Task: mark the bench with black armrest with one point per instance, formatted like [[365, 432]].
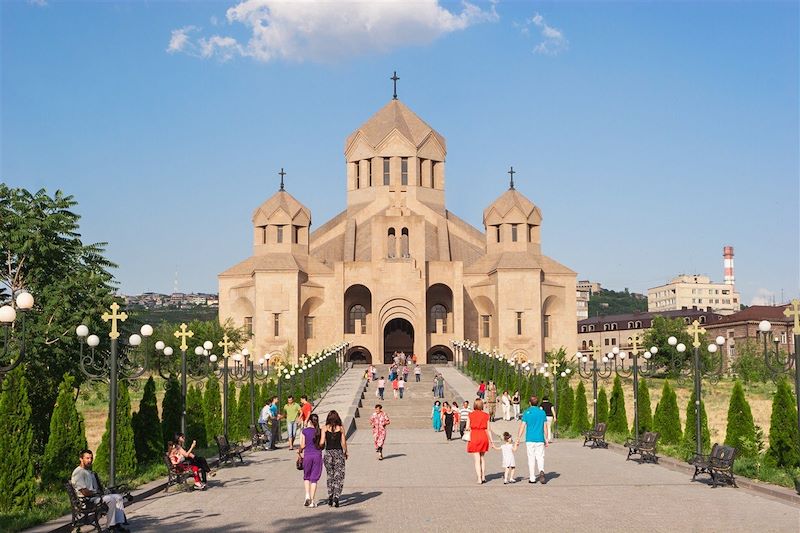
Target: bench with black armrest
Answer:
[[85, 512], [258, 439], [228, 451], [718, 464], [175, 474], [644, 447], [596, 436]]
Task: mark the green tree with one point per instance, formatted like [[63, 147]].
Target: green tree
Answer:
[[741, 430], [234, 431], [70, 281], [212, 401], [658, 335], [667, 418], [126, 449], [689, 434], [171, 410], [643, 408], [784, 441], [607, 302], [67, 436], [195, 417], [602, 406], [147, 434], [749, 365], [580, 414], [566, 399], [243, 412], [617, 416], [16, 468]]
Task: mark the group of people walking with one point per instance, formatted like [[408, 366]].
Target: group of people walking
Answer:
[[313, 440], [398, 378]]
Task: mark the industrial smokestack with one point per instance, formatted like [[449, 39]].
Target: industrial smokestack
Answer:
[[727, 260]]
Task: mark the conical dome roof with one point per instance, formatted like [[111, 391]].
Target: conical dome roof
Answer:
[[507, 201], [281, 200], [395, 115]]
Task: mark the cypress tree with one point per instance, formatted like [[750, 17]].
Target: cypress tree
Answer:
[[17, 482], [171, 410], [643, 408], [147, 433], [741, 430], [213, 409], [784, 441], [689, 434], [126, 449], [602, 406], [67, 436], [566, 399], [580, 414], [195, 417], [243, 412], [617, 416], [667, 418], [234, 431]]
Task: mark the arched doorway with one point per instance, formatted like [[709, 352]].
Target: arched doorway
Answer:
[[439, 355], [398, 336], [358, 355]]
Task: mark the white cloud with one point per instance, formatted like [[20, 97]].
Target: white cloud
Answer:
[[40, 3], [327, 30], [553, 40], [764, 297]]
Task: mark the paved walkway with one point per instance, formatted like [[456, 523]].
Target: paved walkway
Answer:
[[427, 484]]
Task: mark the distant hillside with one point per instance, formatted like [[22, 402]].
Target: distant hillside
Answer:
[[608, 302], [174, 315]]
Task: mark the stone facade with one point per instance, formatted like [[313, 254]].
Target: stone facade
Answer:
[[396, 270], [686, 291], [741, 327]]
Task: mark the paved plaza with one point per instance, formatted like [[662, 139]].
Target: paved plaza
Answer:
[[427, 484]]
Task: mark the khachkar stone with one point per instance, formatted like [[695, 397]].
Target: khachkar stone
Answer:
[[395, 270]]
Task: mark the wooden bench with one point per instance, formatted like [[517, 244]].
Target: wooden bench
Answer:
[[175, 475], [258, 439], [85, 512], [718, 464], [228, 451], [645, 447], [596, 436]]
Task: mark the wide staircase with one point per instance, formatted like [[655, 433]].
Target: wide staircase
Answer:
[[414, 410]]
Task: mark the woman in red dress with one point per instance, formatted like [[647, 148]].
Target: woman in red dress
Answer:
[[480, 438]]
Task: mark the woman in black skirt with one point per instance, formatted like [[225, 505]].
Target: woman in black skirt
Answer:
[[447, 420]]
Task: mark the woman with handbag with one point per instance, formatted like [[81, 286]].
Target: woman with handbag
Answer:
[[335, 444], [309, 458], [480, 438]]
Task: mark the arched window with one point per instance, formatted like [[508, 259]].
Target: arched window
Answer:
[[591, 328], [438, 312], [638, 324], [358, 312], [404, 252], [686, 320], [583, 329], [702, 319], [591, 344], [583, 345], [391, 247], [605, 327], [630, 324], [613, 326]]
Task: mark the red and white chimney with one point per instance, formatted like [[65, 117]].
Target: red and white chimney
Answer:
[[727, 259]]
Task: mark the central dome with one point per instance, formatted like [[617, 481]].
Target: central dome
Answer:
[[395, 116]]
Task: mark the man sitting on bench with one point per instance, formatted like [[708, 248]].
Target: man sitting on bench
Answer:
[[85, 483]]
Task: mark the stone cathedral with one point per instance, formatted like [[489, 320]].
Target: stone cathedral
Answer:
[[396, 270]]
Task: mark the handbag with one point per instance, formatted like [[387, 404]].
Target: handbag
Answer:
[[299, 463], [466, 436]]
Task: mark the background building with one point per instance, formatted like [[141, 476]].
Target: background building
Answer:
[[396, 270], [583, 293], [741, 327]]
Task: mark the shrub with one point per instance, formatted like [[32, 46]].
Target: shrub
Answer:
[[617, 416], [147, 427], [234, 431], [195, 417], [667, 418], [784, 441], [602, 406], [17, 483], [243, 412], [741, 430], [566, 399], [580, 415], [643, 408], [171, 410], [67, 436], [126, 450], [213, 409], [689, 434]]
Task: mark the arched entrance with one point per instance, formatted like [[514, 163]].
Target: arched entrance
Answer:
[[358, 355], [439, 355], [398, 336]]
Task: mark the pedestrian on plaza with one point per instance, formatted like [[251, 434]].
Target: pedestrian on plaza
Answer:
[[381, 387], [482, 390], [274, 423], [335, 443], [550, 412], [401, 386], [491, 399], [509, 464], [379, 420], [373, 372], [447, 420], [534, 427], [395, 386], [480, 438], [310, 452], [440, 385], [414, 358], [292, 411], [305, 409], [405, 372], [505, 403], [456, 413], [417, 371], [436, 416], [515, 404], [463, 414]]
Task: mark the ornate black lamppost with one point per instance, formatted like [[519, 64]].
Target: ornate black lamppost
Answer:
[[777, 364], [8, 315], [101, 368], [556, 368], [594, 372], [620, 360]]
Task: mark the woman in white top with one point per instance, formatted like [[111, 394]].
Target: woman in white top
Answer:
[[505, 401]]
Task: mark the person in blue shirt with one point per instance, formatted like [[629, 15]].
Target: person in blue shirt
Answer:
[[534, 429], [275, 425]]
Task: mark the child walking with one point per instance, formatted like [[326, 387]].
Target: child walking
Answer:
[[508, 448]]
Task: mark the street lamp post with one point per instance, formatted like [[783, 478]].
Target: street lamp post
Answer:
[[99, 369], [594, 372], [635, 369], [8, 315], [779, 365]]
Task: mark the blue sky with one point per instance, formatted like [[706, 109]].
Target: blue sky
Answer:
[[649, 134]]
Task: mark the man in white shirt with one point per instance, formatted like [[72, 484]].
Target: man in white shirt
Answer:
[[463, 415], [85, 483]]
